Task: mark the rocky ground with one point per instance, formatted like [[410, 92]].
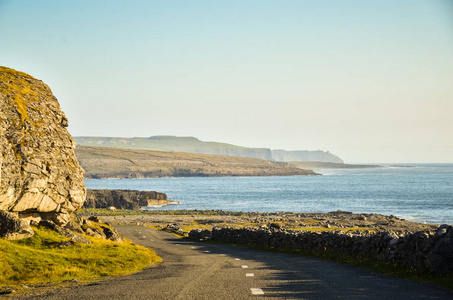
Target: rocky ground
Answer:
[[333, 221]]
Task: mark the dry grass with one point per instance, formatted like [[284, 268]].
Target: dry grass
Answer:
[[101, 162], [38, 259], [15, 85]]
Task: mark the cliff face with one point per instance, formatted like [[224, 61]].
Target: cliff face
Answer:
[[194, 145], [175, 143], [301, 155], [125, 199], [259, 153], [40, 177]]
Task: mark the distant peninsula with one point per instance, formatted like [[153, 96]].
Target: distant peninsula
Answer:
[[315, 165], [194, 145], [103, 162]]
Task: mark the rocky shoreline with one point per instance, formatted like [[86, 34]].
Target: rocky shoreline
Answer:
[[423, 247], [125, 199], [332, 221]]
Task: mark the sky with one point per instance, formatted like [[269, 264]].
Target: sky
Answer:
[[369, 81]]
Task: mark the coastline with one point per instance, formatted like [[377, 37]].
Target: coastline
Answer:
[[208, 219], [372, 240], [103, 163]]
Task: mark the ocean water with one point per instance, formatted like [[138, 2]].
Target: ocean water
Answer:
[[422, 193]]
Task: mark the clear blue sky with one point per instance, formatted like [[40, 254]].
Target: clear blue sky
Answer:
[[370, 81]]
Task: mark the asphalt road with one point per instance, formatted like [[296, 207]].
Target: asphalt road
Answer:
[[206, 271]]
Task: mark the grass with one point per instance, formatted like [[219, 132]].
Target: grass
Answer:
[[38, 259], [104, 162], [188, 228], [13, 83]]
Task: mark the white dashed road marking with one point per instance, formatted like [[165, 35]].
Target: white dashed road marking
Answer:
[[245, 266], [237, 259], [256, 291], [249, 275]]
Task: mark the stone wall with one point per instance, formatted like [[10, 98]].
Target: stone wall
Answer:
[[429, 251], [40, 177]]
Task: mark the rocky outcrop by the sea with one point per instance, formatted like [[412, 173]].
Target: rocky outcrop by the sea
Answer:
[[40, 177], [125, 199]]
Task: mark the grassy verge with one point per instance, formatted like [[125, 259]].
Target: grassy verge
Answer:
[[38, 259]]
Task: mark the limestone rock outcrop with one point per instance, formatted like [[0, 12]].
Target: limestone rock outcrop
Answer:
[[13, 228], [40, 177], [125, 199]]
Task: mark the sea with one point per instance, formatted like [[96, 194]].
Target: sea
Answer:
[[415, 192]]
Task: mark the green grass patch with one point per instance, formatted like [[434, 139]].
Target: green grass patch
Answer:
[[38, 259], [13, 83]]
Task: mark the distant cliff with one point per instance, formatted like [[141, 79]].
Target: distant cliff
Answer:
[[260, 153], [194, 145], [288, 156], [177, 144]]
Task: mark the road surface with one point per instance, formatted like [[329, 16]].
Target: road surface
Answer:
[[193, 270]]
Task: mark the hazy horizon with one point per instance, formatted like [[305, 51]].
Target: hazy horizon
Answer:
[[369, 81]]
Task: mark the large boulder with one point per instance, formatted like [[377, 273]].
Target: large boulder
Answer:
[[13, 228], [40, 177]]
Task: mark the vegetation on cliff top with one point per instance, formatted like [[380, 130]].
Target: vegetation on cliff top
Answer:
[[16, 84], [100, 162], [39, 259]]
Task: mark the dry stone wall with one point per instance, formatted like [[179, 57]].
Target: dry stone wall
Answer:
[[40, 177], [427, 251]]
